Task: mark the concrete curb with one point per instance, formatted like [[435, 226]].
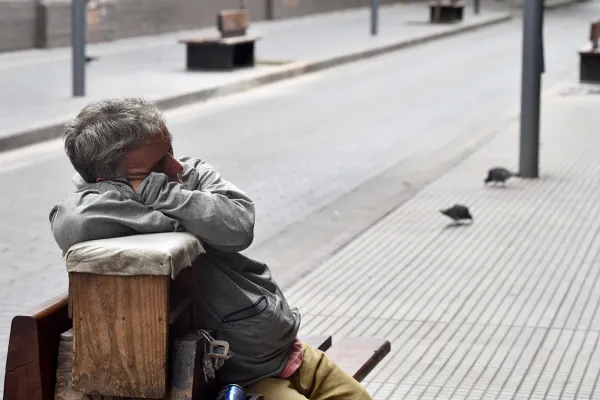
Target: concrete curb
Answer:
[[54, 129]]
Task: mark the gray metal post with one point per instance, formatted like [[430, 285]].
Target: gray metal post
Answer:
[[374, 17], [78, 39], [476, 6], [531, 82]]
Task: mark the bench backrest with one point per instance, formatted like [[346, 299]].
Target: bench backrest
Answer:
[[232, 23], [595, 33], [32, 350]]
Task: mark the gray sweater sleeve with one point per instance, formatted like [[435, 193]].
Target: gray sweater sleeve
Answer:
[[205, 205], [102, 211]]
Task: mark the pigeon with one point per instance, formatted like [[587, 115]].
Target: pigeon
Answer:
[[499, 175], [458, 213], [90, 59]]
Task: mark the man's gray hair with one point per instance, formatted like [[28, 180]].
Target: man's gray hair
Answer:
[[103, 131]]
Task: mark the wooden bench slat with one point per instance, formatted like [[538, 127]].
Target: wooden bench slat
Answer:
[[446, 3], [358, 356], [220, 40]]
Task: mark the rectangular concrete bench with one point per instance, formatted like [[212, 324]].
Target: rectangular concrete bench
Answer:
[[233, 49], [446, 11], [589, 57], [130, 334]]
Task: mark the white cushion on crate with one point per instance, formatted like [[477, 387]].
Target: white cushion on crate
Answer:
[[151, 254]]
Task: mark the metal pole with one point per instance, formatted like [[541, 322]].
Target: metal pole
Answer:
[[541, 33], [476, 6], [78, 39], [374, 17], [531, 88]]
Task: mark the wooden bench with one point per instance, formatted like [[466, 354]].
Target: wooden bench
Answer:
[[589, 57], [233, 49], [33, 351], [446, 11], [131, 336]]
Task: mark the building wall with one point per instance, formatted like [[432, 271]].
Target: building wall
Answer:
[[47, 23], [298, 8], [147, 17], [17, 24]]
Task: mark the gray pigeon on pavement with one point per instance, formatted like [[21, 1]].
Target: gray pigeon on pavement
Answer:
[[458, 213], [499, 175]]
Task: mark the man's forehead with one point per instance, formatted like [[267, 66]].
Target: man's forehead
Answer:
[[156, 145], [156, 142], [162, 136]]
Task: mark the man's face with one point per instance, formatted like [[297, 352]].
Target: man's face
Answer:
[[154, 156]]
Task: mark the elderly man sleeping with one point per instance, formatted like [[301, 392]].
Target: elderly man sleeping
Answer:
[[130, 182]]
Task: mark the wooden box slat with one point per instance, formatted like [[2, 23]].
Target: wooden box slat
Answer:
[[187, 380], [120, 334]]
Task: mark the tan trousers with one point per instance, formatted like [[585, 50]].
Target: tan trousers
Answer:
[[318, 378]]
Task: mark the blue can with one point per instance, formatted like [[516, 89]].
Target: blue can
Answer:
[[232, 392]]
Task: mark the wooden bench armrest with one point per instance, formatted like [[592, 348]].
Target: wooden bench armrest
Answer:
[[33, 350]]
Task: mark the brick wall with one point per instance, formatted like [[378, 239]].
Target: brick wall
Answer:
[[296, 8], [17, 24], [147, 17]]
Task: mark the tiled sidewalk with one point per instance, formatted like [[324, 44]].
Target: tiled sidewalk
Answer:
[[504, 309]]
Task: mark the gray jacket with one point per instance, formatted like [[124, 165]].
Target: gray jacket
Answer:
[[235, 295]]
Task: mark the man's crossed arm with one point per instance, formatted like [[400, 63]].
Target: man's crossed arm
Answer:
[[206, 205]]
